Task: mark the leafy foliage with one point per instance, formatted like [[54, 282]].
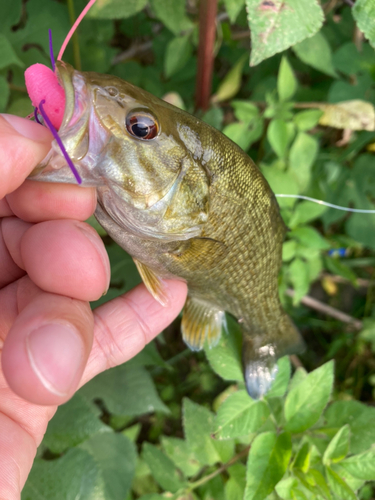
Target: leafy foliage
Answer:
[[185, 428]]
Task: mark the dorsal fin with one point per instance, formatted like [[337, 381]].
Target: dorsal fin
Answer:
[[201, 322], [153, 283]]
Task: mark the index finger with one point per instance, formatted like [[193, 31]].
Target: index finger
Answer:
[[23, 144]]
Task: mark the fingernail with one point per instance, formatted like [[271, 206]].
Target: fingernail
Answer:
[[56, 353], [28, 129], [96, 241]]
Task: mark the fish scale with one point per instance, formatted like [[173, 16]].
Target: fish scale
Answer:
[[186, 204]]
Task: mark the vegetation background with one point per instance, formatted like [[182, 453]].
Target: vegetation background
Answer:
[[176, 424]]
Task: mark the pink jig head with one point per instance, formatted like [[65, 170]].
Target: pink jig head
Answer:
[[46, 93]]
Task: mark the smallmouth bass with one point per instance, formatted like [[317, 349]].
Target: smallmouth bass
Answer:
[[185, 202]]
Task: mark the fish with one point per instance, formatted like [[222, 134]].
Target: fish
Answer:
[[185, 202]]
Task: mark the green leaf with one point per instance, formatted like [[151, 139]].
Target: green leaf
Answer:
[[305, 211], [179, 452], [362, 229], [281, 183], [338, 448], [286, 81], [235, 486], [364, 14], [10, 14], [116, 9], [277, 25], [4, 93], [74, 475], [245, 111], [316, 52], [285, 486], [289, 250], [339, 486], [299, 376], [162, 468], [299, 277], [280, 384], [308, 119], [302, 459], [7, 54], [198, 424], [73, 423], [115, 458], [306, 401], [268, 460], [225, 357], [231, 83], [361, 466], [240, 415], [302, 157], [19, 107], [39, 14], [358, 416], [233, 8], [310, 237], [336, 266], [319, 480], [125, 390], [244, 134], [278, 137], [178, 53], [172, 14]]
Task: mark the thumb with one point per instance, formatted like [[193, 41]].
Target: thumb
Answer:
[[23, 144]]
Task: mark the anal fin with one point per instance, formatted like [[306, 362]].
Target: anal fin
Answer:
[[153, 283], [201, 322]]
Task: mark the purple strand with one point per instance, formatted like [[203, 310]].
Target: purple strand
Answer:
[[59, 142], [51, 50], [36, 116]]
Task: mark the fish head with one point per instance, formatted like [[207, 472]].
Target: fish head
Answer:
[[143, 155]]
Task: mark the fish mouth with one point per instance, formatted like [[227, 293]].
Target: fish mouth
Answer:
[[73, 133]]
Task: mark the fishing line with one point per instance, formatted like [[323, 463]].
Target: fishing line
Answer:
[[59, 142], [321, 202]]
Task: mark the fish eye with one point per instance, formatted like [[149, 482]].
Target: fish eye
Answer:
[[142, 125]]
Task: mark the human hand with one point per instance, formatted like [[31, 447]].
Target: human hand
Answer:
[[51, 265]]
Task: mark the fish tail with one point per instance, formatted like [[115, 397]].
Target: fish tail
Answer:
[[261, 352]]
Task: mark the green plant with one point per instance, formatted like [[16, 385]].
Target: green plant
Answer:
[[184, 428]]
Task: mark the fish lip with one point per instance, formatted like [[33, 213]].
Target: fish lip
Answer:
[[75, 115], [64, 73]]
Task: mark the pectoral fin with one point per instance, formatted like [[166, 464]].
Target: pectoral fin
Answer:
[[153, 283], [201, 322], [199, 253]]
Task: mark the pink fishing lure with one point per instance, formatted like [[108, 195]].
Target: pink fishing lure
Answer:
[[42, 84]]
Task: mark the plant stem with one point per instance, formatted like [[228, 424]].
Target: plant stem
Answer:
[[221, 469], [76, 53], [330, 311], [207, 30]]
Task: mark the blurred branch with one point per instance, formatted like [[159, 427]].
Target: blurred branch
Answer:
[[18, 88], [339, 279], [132, 51], [207, 31], [76, 53], [328, 310], [221, 469], [296, 362]]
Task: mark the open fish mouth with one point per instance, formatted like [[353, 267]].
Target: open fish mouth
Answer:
[[74, 134]]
